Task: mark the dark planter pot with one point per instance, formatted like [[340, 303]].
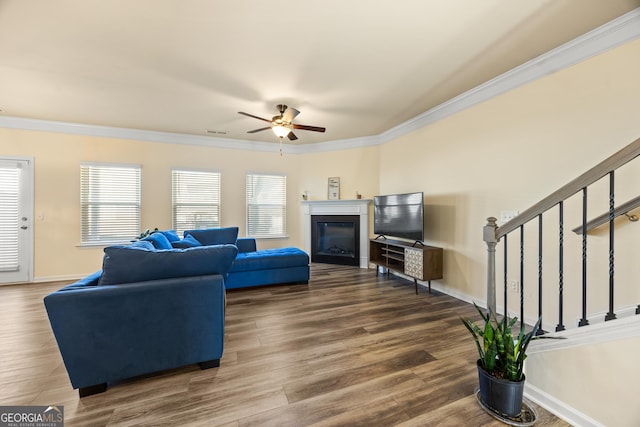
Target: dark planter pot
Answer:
[[503, 396]]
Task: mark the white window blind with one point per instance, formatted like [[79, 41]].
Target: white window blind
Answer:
[[266, 205], [195, 199], [9, 206], [109, 203]]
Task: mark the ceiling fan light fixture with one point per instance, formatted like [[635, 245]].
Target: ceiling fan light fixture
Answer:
[[282, 125], [281, 131]]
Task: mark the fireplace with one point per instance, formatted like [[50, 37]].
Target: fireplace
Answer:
[[335, 239], [358, 209]]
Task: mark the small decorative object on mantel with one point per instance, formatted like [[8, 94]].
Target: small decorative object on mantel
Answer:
[[358, 195], [334, 188], [305, 195]]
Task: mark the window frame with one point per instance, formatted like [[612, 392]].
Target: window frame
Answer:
[[124, 235], [217, 204], [251, 206]]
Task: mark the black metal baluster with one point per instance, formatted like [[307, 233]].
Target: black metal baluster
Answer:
[[583, 320], [540, 330], [505, 275], [560, 325], [522, 275], [611, 315]]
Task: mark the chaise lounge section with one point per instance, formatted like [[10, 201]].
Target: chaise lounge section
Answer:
[[267, 266], [254, 267]]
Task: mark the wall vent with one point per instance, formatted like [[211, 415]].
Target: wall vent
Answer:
[[216, 132]]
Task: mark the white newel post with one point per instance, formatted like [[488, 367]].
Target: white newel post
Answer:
[[358, 207], [489, 236]]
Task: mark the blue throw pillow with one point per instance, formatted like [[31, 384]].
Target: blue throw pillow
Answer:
[[171, 235], [188, 242], [159, 241], [215, 236], [145, 244], [128, 264]]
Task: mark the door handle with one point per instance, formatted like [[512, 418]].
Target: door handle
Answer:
[[24, 227]]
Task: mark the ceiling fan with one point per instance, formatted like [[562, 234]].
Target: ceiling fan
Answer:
[[282, 124]]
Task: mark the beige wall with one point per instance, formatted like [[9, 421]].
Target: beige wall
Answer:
[[357, 169], [504, 154], [57, 156], [508, 153], [603, 380], [541, 135]]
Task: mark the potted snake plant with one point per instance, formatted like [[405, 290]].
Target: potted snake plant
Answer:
[[501, 361]]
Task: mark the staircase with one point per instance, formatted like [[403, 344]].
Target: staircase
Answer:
[[573, 259]]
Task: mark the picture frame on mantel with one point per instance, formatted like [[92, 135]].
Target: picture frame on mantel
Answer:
[[334, 188]]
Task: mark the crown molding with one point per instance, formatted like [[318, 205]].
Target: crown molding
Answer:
[[133, 134], [341, 144], [608, 36]]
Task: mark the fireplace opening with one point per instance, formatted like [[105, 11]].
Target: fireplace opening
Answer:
[[335, 239]]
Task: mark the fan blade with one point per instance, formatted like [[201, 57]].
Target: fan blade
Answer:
[[291, 136], [258, 130], [305, 127], [255, 117], [290, 114]]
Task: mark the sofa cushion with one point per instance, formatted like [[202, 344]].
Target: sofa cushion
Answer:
[[215, 236], [188, 242], [145, 244], [246, 244], [158, 240], [270, 258], [128, 264]]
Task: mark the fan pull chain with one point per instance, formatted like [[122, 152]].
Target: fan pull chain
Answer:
[[280, 146]]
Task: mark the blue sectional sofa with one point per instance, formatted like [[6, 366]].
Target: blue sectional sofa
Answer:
[[145, 311], [158, 303]]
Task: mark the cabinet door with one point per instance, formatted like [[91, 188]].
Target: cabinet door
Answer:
[[413, 263]]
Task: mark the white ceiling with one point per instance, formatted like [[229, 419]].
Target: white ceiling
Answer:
[[356, 67]]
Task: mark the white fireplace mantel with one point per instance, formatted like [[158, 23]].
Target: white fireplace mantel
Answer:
[[358, 207]]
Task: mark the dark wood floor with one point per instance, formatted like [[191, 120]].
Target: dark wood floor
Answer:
[[348, 349]]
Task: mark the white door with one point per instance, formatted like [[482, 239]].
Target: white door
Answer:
[[16, 206]]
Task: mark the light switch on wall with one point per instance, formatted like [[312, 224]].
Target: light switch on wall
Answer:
[[506, 216]]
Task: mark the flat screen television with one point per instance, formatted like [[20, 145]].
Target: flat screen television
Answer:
[[399, 215]]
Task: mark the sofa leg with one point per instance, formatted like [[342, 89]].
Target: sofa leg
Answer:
[[92, 389], [210, 364]]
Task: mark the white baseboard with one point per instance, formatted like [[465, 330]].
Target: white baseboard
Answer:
[[559, 408], [613, 330], [74, 277], [441, 287]]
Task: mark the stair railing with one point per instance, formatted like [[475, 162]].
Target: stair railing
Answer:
[[493, 234]]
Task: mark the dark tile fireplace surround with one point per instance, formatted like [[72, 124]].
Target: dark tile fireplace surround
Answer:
[[335, 239]]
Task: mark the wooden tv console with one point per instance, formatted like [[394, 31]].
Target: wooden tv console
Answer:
[[417, 261]]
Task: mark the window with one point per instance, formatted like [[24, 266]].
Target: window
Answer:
[[9, 210], [109, 203], [195, 199], [266, 205]]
